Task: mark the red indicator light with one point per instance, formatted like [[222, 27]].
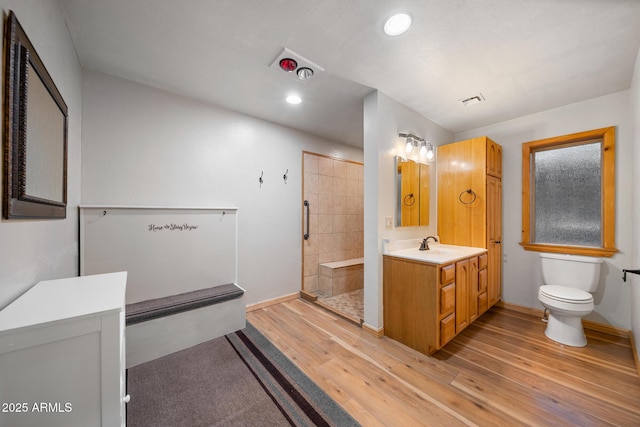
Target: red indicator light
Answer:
[[288, 64]]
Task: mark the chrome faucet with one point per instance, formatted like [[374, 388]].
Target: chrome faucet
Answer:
[[425, 243]]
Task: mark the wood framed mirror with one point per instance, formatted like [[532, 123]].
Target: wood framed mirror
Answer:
[[35, 133]]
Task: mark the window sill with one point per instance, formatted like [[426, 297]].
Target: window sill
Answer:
[[573, 250]]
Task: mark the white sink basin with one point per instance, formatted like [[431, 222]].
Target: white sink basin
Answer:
[[437, 253]]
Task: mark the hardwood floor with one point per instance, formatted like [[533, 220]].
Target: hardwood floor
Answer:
[[501, 371]]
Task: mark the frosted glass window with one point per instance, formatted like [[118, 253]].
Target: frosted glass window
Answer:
[[567, 195]]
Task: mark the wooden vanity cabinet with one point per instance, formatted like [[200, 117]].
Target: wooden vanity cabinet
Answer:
[[426, 305]]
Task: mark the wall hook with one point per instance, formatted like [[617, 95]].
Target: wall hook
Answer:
[[285, 176], [260, 180]]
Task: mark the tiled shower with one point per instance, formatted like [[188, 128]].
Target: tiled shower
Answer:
[[334, 189]]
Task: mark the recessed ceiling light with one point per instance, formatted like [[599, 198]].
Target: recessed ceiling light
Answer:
[[304, 73], [294, 99], [397, 24]]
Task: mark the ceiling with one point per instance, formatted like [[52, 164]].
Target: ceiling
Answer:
[[523, 56]]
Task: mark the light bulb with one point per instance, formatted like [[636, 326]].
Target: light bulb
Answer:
[[423, 149], [430, 154], [409, 147]]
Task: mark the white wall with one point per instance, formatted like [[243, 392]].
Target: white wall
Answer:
[[635, 280], [521, 277], [384, 118], [30, 250], [142, 146]]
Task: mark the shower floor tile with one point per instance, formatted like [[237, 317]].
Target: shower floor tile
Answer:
[[349, 303]]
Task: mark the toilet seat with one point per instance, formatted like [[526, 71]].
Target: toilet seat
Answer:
[[565, 294]]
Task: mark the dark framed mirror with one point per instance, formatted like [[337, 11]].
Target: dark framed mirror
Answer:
[[35, 133]]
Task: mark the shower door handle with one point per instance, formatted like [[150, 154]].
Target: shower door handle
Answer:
[[306, 205]]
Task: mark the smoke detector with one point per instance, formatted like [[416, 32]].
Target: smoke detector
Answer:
[[296, 66], [472, 100]]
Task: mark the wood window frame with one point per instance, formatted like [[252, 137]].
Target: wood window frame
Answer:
[[607, 135]]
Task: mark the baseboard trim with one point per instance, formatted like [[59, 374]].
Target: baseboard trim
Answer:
[[376, 332], [274, 301], [588, 324], [635, 352]]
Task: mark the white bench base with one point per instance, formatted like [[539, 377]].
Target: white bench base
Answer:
[[151, 339]]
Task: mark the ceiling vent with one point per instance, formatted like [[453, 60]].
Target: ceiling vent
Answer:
[[296, 66], [472, 100]]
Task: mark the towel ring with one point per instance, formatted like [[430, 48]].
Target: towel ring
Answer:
[[468, 191], [410, 197]]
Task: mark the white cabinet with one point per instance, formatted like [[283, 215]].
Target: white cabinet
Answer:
[[62, 354]]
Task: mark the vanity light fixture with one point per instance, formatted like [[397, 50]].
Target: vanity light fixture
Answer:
[[397, 24], [426, 148]]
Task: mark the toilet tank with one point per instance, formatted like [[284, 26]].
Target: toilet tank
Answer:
[[574, 271]]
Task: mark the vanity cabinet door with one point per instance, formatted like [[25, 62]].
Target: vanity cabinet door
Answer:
[[494, 239], [494, 159], [483, 300], [473, 289], [462, 295]]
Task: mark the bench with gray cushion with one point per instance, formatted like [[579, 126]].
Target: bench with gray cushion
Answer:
[[165, 306], [161, 326]]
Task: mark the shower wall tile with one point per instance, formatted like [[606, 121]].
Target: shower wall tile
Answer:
[[310, 163], [353, 171], [339, 223], [310, 183], [326, 243], [339, 168], [325, 203], [325, 223], [311, 283], [310, 265], [339, 204], [325, 184], [325, 166], [339, 186]]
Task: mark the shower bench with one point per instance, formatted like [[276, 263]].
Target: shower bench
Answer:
[[161, 326], [341, 276]]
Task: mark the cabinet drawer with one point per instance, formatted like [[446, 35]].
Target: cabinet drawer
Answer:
[[447, 274], [482, 261], [447, 299], [482, 303], [482, 280], [447, 329]]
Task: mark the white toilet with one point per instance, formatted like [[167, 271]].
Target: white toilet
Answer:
[[568, 281]]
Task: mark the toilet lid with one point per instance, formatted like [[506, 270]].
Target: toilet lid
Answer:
[[565, 294]]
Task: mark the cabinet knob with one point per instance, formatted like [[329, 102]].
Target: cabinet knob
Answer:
[[126, 399], [497, 242]]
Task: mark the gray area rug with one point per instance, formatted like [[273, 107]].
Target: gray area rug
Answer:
[[240, 379]]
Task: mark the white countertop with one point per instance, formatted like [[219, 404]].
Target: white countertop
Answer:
[[437, 253], [62, 299]]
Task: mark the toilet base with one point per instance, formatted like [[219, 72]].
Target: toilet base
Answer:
[[566, 330]]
